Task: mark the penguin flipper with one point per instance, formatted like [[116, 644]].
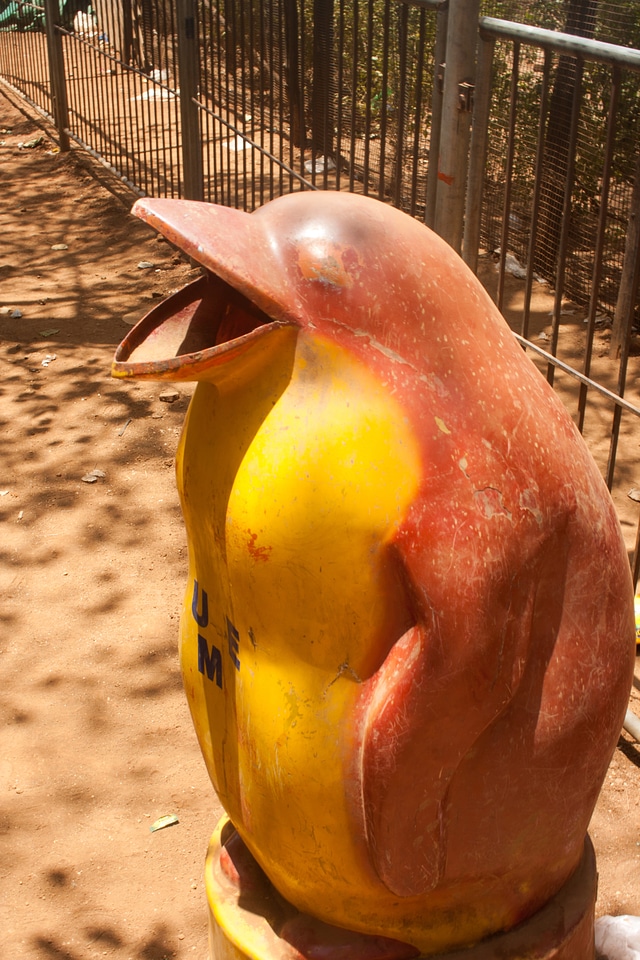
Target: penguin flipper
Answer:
[[441, 685]]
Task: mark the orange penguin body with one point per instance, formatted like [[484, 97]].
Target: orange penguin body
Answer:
[[407, 638]]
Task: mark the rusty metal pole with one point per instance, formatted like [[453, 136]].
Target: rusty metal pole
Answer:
[[478, 154], [457, 106], [439, 55], [189, 72], [623, 316], [56, 72]]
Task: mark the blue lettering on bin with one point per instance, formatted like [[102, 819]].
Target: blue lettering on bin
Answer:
[[209, 662], [202, 619]]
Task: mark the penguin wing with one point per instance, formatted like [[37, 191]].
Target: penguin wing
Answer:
[[443, 683]]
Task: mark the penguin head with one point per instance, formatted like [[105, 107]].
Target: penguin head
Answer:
[[349, 267]]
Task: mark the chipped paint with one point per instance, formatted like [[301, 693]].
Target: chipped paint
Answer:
[[258, 553], [491, 503]]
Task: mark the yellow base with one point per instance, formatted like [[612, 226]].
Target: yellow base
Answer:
[[249, 920]]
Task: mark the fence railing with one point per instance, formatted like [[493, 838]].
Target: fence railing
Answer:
[[240, 101], [547, 204]]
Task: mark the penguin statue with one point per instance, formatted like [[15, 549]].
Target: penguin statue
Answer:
[[408, 638]]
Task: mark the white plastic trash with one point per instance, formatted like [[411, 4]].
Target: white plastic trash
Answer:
[[618, 938]]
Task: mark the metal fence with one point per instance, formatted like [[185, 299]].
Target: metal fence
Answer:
[[588, 107], [540, 221], [239, 101], [288, 98]]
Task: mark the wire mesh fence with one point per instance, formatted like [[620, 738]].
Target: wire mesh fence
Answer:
[[241, 101], [339, 94], [553, 204], [289, 94], [575, 99], [302, 95], [24, 63]]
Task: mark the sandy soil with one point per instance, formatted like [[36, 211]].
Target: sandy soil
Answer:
[[96, 742]]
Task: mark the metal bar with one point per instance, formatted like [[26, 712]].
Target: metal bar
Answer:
[[625, 300], [130, 92], [214, 55], [275, 95], [81, 89], [222, 76], [281, 123], [613, 444], [56, 72], [303, 73], [437, 5], [210, 168], [340, 96], [322, 145], [477, 153], [439, 54], [511, 149], [600, 239], [173, 106], [537, 191], [570, 44], [261, 73], [417, 112], [456, 122], [384, 92], [188, 71], [233, 106], [633, 270], [354, 83], [609, 394], [368, 94], [295, 93], [248, 111], [398, 160], [566, 213]]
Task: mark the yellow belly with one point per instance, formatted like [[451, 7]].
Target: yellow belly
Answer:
[[292, 485]]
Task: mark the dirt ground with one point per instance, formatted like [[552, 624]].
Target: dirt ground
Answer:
[[95, 741]]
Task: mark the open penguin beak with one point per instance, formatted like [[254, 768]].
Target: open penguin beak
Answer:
[[217, 324]]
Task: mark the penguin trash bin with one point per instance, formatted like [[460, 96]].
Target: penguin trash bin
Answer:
[[407, 639]]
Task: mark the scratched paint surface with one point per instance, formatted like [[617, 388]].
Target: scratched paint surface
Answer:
[[409, 598]]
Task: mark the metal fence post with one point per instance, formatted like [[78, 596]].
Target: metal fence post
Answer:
[[625, 303], [439, 56], [56, 72], [457, 102], [188, 76], [478, 154]]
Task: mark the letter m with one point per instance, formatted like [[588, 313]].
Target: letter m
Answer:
[[209, 662]]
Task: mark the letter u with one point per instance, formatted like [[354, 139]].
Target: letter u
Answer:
[[202, 619]]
